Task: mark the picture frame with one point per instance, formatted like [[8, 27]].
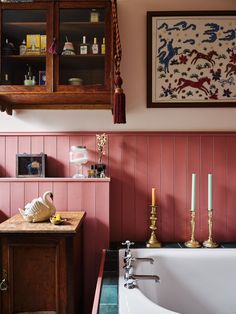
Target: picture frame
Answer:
[[191, 59], [30, 165]]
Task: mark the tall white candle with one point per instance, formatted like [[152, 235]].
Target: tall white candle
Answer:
[[210, 191], [193, 200]]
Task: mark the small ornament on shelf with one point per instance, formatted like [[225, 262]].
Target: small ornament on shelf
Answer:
[[100, 168]]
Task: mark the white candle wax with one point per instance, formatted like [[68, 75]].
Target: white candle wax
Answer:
[[193, 199], [210, 191]]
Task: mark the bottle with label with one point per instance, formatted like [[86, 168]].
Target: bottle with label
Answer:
[[84, 47], [94, 16], [103, 46], [22, 48], [95, 46]]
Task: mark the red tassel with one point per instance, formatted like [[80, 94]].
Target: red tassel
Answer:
[[119, 115], [53, 48]]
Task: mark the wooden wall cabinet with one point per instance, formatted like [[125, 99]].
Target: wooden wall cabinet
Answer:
[[39, 79], [41, 265]]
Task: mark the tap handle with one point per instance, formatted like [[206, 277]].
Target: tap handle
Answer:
[[128, 244]]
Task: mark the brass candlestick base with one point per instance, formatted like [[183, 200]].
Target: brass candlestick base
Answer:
[[192, 243], [153, 242], [210, 243]]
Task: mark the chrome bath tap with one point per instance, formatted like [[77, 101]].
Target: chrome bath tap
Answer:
[[129, 276]]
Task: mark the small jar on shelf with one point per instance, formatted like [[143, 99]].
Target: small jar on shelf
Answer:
[[94, 16], [84, 47]]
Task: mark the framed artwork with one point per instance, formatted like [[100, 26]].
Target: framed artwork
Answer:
[[191, 59], [30, 165]]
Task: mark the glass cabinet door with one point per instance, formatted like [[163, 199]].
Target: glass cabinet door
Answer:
[[83, 48], [25, 63]]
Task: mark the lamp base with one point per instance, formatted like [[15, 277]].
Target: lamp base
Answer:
[[153, 242], [192, 244], [210, 244]]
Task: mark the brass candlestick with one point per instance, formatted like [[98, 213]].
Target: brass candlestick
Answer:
[[192, 243], [210, 243], [153, 242]]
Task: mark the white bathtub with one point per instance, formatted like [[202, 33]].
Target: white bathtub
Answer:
[[193, 281]]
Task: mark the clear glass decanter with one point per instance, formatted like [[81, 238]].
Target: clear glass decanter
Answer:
[[78, 157]]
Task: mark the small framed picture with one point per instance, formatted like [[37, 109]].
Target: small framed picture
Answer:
[[42, 77], [30, 165]]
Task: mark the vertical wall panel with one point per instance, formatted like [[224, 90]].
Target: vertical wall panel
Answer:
[[37, 144], [2, 156], [31, 191], [63, 148], [141, 183], [116, 173], [11, 151], [24, 144], [75, 196], [50, 149], [5, 198], [181, 211], [44, 187], [220, 202], [60, 196], [228, 208], [167, 187], [17, 197], [205, 169], [193, 167], [154, 179], [128, 187]]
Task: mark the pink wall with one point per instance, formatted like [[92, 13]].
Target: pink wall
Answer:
[[138, 161]]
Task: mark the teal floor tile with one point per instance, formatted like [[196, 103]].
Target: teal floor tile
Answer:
[[108, 309], [109, 295]]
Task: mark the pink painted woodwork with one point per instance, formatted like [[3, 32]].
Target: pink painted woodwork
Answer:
[[136, 161]]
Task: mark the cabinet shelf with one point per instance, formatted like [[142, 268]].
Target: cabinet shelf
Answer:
[[33, 58]]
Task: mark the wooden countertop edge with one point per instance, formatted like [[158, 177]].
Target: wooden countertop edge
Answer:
[[99, 284], [56, 228]]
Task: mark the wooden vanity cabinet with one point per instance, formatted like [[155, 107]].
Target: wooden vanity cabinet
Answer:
[[38, 79], [41, 265]]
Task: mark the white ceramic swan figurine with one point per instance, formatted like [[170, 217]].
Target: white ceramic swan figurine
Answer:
[[40, 209]]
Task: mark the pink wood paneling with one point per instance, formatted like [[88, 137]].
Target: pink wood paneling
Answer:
[[31, 191], [11, 151], [181, 211], [141, 186], [44, 187], [63, 148], [60, 195], [167, 187], [75, 196], [2, 156], [206, 168], [17, 197], [128, 186], [5, 198], [37, 144], [24, 144], [230, 184], [220, 189], [154, 180], [193, 167], [50, 148], [116, 173]]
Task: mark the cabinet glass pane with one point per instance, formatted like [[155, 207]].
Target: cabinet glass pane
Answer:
[[23, 57], [82, 46]]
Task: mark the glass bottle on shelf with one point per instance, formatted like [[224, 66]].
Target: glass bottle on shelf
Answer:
[[95, 46], [6, 80], [94, 16], [103, 46], [22, 48], [78, 157], [84, 47]]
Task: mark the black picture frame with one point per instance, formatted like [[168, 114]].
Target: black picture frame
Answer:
[[30, 165]]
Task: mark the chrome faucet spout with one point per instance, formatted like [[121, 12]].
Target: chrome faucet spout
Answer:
[[144, 259], [146, 277]]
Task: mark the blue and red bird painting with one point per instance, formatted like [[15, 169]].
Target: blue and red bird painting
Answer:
[[193, 59]]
